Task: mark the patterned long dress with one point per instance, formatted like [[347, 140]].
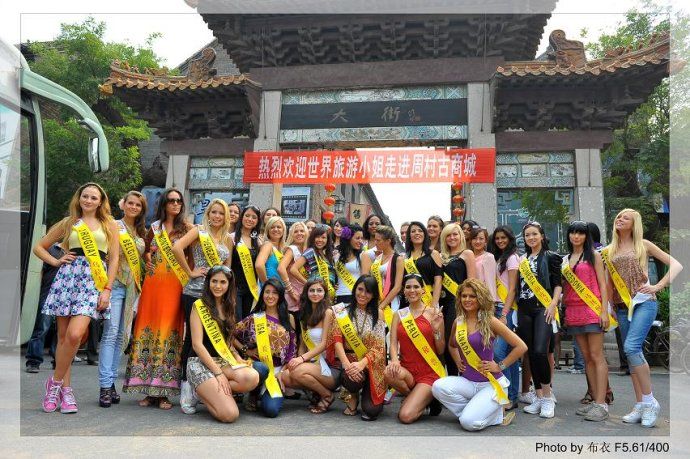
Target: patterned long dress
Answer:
[[155, 360]]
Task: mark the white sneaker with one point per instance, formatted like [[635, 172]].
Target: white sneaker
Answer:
[[553, 396], [527, 397], [188, 399], [650, 411], [534, 407], [548, 408], [635, 415]]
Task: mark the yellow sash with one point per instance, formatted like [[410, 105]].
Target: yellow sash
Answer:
[[248, 269], [308, 342], [450, 285], [618, 282], [475, 362], [502, 291], [345, 275], [88, 245], [411, 268], [214, 334], [129, 249], [376, 272], [323, 273], [209, 248], [165, 247], [420, 342], [538, 290], [278, 254], [585, 293], [350, 334], [263, 345]]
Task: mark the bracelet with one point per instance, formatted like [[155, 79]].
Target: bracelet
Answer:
[[217, 374], [303, 359], [107, 288]]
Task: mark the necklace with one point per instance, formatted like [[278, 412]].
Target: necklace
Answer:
[[359, 327]]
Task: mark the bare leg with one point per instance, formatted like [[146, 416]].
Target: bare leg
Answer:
[[308, 376], [403, 382], [600, 377], [590, 365], [242, 379], [414, 404], [221, 405], [73, 328]]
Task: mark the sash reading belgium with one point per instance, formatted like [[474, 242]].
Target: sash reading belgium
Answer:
[[88, 245], [129, 249], [420, 342], [165, 247]]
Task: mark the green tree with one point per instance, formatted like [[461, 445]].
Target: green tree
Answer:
[[79, 59]]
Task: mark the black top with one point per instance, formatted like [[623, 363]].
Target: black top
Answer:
[[208, 345], [547, 268], [456, 270], [240, 280], [428, 269]]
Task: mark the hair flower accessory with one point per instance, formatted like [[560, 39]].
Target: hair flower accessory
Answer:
[[346, 234]]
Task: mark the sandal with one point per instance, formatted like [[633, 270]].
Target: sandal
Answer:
[[252, 402], [148, 401], [164, 404], [609, 396], [508, 418], [350, 411], [587, 399], [323, 405]]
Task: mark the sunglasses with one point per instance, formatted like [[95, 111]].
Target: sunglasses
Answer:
[[174, 201], [218, 268], [322, 226], [537, 224]]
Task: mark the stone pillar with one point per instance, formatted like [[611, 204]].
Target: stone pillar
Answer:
[[262, 195], [482, 205], [589, 192]]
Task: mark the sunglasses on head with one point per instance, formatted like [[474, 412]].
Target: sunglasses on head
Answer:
[[218, 268], [537, 224], [322, 226]]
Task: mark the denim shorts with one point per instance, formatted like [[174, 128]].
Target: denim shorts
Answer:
[[581, 329]]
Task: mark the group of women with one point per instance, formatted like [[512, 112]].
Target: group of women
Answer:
[[238, 304]]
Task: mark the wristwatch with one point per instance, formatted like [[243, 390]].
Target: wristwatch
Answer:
[[502, 365]]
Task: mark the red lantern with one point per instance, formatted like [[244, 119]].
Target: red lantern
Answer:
[[458, 198], [458, 212], [457, 186], [329, 201], [328, 215], [330, 187]]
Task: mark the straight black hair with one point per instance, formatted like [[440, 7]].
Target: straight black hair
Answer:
[[345, 247], [587, 248], [408, 240], [372, 287], [283, 316], [308, 315], [544, 239], [318, 230], [255, 231], [501, 256]]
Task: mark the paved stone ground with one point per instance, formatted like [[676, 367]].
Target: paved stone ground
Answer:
[[130, 419]]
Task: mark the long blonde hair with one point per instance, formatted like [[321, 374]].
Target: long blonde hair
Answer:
[[486, 308], [103, 214], [225, 227], [445, 250], [637, 237], [272, 221], [291, 234]]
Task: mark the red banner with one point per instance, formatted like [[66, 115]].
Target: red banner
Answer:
[[467, 165]]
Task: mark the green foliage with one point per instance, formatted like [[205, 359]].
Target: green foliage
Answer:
[[543, 207], [79, 59]]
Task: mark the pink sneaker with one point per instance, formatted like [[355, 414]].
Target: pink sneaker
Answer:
[[69, 403], [51, 399]]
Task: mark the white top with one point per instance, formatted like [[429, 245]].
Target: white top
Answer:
[[354, 269], [395, 304], [316, 334]]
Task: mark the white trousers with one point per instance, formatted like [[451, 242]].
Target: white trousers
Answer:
[[473, 403]]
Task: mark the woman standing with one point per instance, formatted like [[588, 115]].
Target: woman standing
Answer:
[[267, 336], [369, 230], [476, 396], [348, 265], [504, 249], [313, 368], [422, 259], [467, 227], [272, 250], [484, 261], [458, 265], [296, 245], [82, 287], [586, 318], [540, 290], [244, 247], [418, 330], [338, 226], [268, 214], [434, 226], [360, 345], [234, 211], [215, 369], [209, 242], [635, 302], [317, 259], [155, 361], [388, 270], [126, 289]]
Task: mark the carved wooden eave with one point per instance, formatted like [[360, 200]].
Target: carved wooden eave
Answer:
[[200, 105], [569, 92], [273, 40]]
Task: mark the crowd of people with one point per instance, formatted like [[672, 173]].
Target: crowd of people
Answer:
[[241, 309]]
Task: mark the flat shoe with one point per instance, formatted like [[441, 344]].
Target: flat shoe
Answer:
[[148, 401]]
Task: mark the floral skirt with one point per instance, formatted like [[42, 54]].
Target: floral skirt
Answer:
[[74, 293], [155, 360]]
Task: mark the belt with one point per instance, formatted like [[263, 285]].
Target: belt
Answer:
[[80, 253]]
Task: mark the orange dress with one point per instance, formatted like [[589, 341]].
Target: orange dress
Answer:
[[155, 360], [410, 357]]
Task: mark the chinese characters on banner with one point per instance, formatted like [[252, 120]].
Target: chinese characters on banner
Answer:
[[469, 165]]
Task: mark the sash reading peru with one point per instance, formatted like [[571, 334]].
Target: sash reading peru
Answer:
[[376, 272], [538, 290], [214, 334], [411, 268], [90, 248], [163, 242], [420, 342], [350, 334], [585, 294], [129, 249], [263, 345], [475, 362], [618, 282], [209, 248]]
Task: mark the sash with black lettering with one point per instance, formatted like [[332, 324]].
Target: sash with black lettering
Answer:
[[584, 292], [90, 248], [129, 249], [420, 343], [208, 247], [534, 285], [323, 273], [214, 334], [376, 272], [163, 242], [263, 347], [248, 269], [411, 268], [475, 362], [618, 282], [350, 334]]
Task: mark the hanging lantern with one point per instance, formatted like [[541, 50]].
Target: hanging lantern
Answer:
[[458, 212], [330, 187], [457, 186], [458, 199], [329, 201], [328, 215]]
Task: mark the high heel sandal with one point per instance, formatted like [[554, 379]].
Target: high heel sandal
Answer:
[[104, 400], [114, 396]]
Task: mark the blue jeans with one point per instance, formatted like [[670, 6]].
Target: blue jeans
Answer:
[[270, 406], [34, 349], [635, 331], [501, 351], [111, 341], [578, 358]]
